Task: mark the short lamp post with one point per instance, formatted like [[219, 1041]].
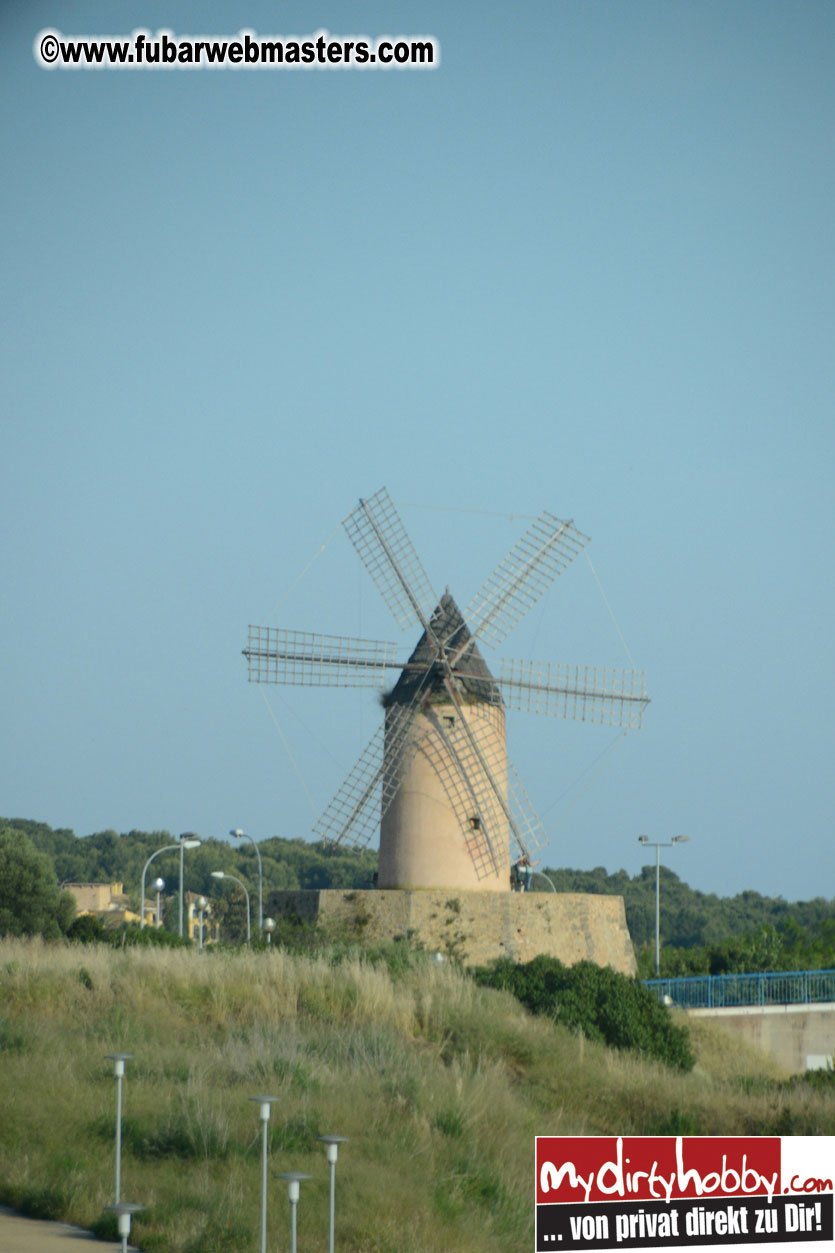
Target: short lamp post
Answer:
[[269, 927], [159, 887], [294, 1178], [238, 834], [648, 843], [264, 1103], [332, 1144], [202, 908], [224, 874], [118, 1060], [124, 1211]]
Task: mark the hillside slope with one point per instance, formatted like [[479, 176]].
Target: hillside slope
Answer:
[[440, 1086]]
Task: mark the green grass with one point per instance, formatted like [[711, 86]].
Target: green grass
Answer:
[[439, 1084]]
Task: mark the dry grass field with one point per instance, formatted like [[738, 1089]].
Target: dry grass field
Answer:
[[440, 1086]]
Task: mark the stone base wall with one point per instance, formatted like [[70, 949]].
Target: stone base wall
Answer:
[[477, 927]]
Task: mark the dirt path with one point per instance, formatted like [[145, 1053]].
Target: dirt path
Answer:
[[31, 1235]]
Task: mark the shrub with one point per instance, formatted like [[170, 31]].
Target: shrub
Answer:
[[12, 1040], [131, 935], [597, 1001], [87, 929]]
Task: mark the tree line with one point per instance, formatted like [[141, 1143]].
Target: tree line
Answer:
[[700, 932], [36, 860]]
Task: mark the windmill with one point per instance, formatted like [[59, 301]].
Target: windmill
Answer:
[[435, 777]]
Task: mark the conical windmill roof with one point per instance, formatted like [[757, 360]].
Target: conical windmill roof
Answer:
[[470, 670]]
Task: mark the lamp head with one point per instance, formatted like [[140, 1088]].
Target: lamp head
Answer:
[[332, 1143], [119, 1060], [264, 1103], [123, 1211], [294, 1178]]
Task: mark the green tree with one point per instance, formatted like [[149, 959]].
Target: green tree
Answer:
[[31, 903]]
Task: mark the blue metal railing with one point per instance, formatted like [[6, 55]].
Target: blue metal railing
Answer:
[[788, 987]]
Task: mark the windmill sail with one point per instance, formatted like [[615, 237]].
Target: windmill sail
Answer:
[[375, 530], [472, 792], [615, 698], [353, 816], [528, 570], [299, 657]]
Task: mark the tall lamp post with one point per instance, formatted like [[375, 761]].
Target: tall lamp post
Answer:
[[238, 834], [332, 1144], [224, 874], [645, 840], [186, 841], [191, 841], [264, 1103], [118, 1060]]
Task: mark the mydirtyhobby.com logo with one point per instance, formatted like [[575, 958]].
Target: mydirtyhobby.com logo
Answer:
[[612, 1192], [246, 50]]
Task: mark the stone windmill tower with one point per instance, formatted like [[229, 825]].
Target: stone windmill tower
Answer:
[[448, 822], [435, 778]]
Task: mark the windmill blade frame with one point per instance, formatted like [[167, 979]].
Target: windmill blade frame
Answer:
[[306, 659], [527, 822], [379, 537], [615, 698], [546, 549], [478, 751], [370, 786], [472, 794], [352, 813]]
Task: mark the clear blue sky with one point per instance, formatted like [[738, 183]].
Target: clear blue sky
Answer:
[[586, 266]]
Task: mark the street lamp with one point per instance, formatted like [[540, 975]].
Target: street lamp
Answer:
[[544, 876], [645, 840], [191, 841], [159, 886], [332, 1143], [269, 927], [202, 907], [264, 1103], [118, 1060], [238, 834], [186, 841], [124, 1212], [293, 1178], [224, 874]]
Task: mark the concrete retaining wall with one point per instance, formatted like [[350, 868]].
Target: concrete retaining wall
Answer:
[[799, 1037], [477, 926]]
